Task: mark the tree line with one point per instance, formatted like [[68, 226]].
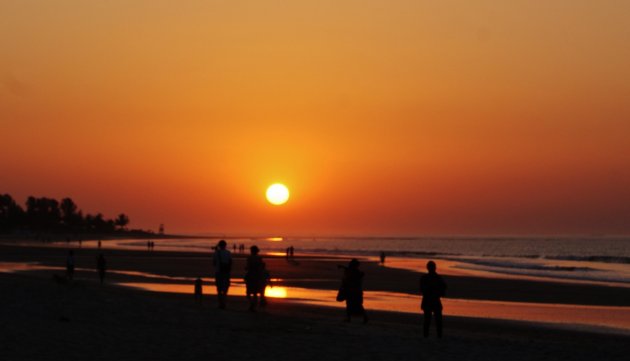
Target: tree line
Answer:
[[50, 215]]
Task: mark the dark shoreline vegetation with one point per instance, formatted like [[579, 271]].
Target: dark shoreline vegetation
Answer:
[[47, 219]]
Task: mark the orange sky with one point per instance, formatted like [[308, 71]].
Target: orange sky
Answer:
[[382, 117]]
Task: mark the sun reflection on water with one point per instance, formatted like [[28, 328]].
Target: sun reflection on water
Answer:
[[606, 316], [276, 292]]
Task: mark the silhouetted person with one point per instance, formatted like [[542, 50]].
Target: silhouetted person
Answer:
[[148, 245], [255, 281], [382, 257], [352, 285], [432, 287], [99, 243], [70, 265], [101, 266], [222, 261], [198, 290], [291, 251]]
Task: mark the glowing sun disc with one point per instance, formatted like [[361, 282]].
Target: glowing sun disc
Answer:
[[277, 194]]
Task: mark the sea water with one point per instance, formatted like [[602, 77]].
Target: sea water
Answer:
[[599, 259]]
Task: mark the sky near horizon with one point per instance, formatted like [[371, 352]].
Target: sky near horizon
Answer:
[[382, 117]]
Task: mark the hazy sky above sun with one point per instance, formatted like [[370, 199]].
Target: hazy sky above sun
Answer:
[[382, 117]]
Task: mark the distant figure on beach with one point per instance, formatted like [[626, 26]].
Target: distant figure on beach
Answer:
[[287, 253], [382, 257], [148, 245], [101, 266], [99, 243], [352, 290], [432, 287], [267, 282], [222, 262], [255, 280], [291, 251], [70, 265], [198, 290]]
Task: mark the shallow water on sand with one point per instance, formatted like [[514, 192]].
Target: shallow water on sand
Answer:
[[603, 318]]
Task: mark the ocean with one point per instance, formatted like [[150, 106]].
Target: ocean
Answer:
[[596, 259]]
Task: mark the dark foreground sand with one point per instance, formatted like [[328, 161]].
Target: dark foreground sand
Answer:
[[43, 319]]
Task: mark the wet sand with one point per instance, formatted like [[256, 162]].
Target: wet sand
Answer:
[[321, 272], [48, 319]]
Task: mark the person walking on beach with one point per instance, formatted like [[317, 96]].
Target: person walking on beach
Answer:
[[352, 289], [222, 262], [255, 280], [101, 266], [432, 287], [382, 257], [70, 265]]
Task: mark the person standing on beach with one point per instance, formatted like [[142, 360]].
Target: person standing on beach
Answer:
[[222, 262], [352, 285], [70, 265], [255, 280], [101, 266], [382, 257], [198, 290], [432, 287]]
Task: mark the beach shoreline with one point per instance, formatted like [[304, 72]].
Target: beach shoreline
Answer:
[[113, 312], [45, 319]]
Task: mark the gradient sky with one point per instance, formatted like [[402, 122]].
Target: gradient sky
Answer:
[[382, 117]]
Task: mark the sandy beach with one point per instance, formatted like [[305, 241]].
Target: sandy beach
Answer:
[[45, 317]]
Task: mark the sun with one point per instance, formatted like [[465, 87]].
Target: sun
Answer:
[[277, 194]]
